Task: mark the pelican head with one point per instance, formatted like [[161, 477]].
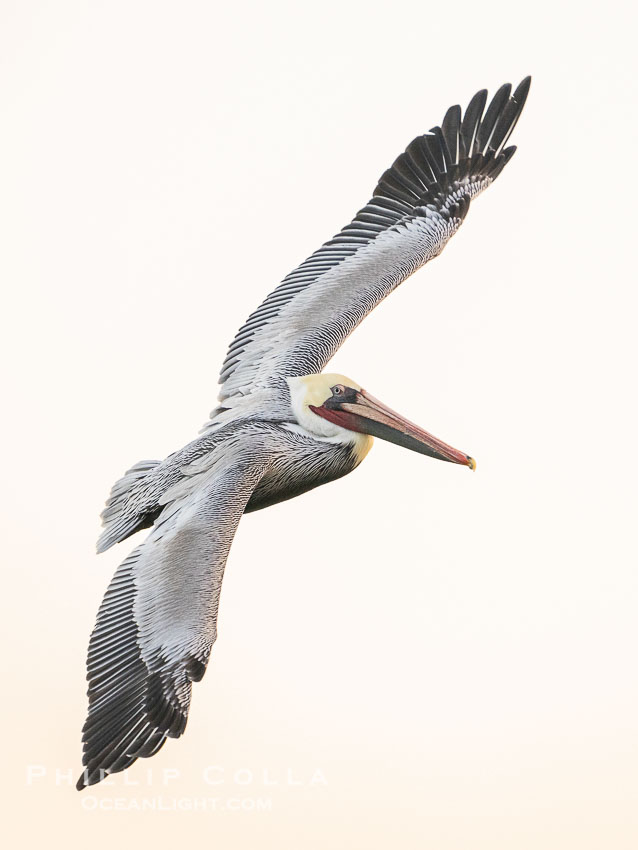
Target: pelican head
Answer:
[[334, 407]]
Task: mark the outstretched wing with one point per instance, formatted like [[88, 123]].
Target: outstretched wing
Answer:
[[158, 620], [417, 206]]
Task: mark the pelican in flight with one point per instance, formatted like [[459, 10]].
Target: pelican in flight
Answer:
[[281, 428]]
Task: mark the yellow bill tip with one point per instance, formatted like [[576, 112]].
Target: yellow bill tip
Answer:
[[471, 463]]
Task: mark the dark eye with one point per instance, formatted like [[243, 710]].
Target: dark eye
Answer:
[[337, 390]]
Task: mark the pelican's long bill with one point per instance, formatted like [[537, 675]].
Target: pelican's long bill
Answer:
[[357, 410]]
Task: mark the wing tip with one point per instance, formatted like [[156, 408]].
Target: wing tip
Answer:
[[467, 147]]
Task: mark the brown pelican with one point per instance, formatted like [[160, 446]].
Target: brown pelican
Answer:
[[281, 428]]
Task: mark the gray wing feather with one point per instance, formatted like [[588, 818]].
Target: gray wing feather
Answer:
[[418, 204], [158, 620]]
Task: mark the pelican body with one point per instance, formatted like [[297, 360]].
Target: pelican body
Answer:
[[281, 428]]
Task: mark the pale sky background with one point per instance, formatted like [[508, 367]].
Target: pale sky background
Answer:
[[463, 673]]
